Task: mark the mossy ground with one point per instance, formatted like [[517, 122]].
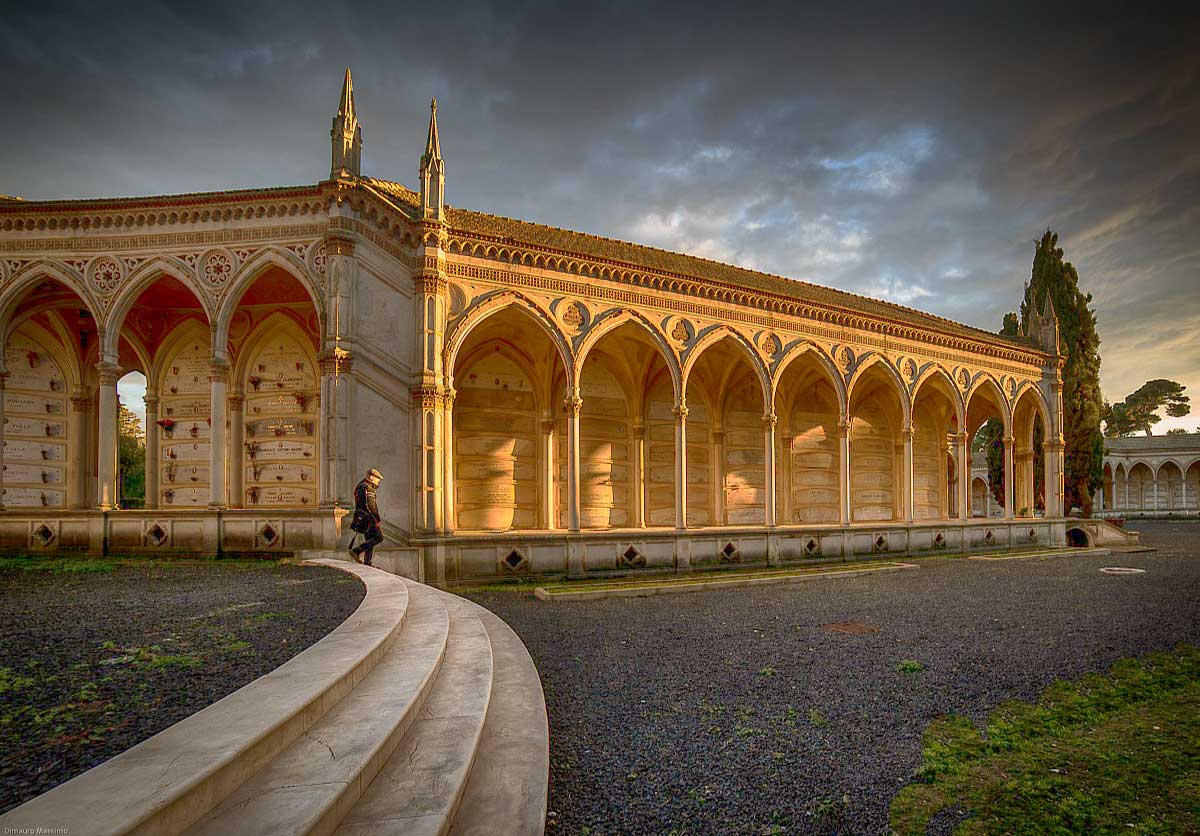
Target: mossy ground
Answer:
[[1103, 754]]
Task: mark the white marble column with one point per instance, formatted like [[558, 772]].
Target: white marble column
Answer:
[[449, 514], [333, 411], [573, 406], [152, 451], [962, 441], [638, 477], [1009, 511], [1052, 455], [427, 424], [907, 474], [3, 379], [549, 519], [218, 438], [845, 507], [77, 438], [785, 466], [771, 507], [680, 413], [107, 496], [1154, 485], [237, 444], [717, 476]]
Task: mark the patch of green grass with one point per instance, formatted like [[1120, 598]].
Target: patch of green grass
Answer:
[[58, 565], [272, 616], [817, 718], [12, 682], [910, 666], [175, 660], [768, 671], [1103, 754]]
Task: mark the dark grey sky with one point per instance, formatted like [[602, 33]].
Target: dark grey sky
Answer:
[[913, 153]]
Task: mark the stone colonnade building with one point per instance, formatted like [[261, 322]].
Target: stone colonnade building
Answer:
[[1151, 476], [539, 400]]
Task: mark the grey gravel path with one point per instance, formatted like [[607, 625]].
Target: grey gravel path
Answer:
[[736, 712], [92, 663]]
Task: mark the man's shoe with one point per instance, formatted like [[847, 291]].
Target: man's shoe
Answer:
[[355, 555]]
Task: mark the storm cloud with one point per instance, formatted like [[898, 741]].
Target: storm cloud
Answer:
[[911, 153]]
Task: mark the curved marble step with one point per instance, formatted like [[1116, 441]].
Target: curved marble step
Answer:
[[166, 783], [418, 790], [310, 786], [507, 791]]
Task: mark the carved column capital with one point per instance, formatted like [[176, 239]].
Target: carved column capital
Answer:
[[236, 402], [718, 436], [548, 426], [680, 412], [427, 397], [908, 432], [961, 438], [770, 420], [843, 428], [3, 377], [639, 430], [107, 373], [337, 361], [218, 370], [430, 284], [339, 243], [573, 405]]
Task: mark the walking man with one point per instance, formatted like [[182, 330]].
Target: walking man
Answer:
[[366, 517]]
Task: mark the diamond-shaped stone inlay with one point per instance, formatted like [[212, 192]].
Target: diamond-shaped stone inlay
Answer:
[[268, 535], [939, 540], [1033, 535], [156, 535], [631, 557], [44, 535], [881, 543], [812, 548], [731, 553], [515, 561], [989, 537]]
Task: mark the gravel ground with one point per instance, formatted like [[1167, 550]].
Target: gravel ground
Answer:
[[93, 662], [742, 712]]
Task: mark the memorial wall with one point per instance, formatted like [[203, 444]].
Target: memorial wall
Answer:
[[496, 429], [660, 456], [183, 426], [35, 425], [280, 411], [605, 441], [872, 463], [745, 476], [930, 475], [814, 450]]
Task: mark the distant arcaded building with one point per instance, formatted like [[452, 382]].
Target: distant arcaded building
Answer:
[[1151, 476], [539, 400]]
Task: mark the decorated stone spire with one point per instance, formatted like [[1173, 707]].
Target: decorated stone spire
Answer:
[[1049, 337], [346, 135], [433, 169]]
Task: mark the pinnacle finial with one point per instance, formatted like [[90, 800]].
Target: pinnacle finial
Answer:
[[433, 169], [433, 145], [346, 134]]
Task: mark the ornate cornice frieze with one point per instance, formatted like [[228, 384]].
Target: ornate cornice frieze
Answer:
[[133, 213], [968, 352]]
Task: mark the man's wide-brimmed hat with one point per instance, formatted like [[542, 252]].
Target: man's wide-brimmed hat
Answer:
[[375, 474]]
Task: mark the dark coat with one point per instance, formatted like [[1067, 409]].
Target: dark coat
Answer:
[[366, 509]]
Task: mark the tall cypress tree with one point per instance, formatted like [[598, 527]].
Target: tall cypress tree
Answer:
[[1082, 400]]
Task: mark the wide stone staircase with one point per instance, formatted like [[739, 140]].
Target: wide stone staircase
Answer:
[[421, 714]]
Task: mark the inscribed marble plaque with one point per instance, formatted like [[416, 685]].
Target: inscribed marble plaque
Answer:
[[33, 427], [18, 497], [188, 451], [15, 449], [31, 474]]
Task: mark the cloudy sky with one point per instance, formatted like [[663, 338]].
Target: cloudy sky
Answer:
[[912, 153]]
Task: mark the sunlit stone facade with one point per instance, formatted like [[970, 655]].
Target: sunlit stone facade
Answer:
[[1151, 476], [539, 400]]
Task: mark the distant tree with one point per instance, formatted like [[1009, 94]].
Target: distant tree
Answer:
[[131, 459], [1177, 431], [990, 440], [1083, 403], [1012, 325], [1139, 411]]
